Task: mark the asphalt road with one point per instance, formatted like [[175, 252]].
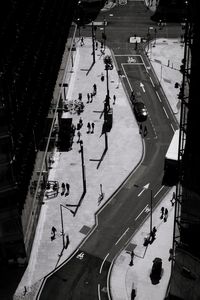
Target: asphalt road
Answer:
[[85, 275]]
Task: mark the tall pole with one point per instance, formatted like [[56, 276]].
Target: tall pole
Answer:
[[104, 32], [83, 167], [151, 198], [62, 226], [93, 43], [148, 38], [107, 82]]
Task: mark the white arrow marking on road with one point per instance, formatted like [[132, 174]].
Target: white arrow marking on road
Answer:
[[142, 86], [145, 187]]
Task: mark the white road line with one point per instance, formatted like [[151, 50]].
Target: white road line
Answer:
[[133, 63], [103, 263], [140, 193], [152, 82], [158, 191], [144, 64], [99, 293], [141, 212], [126, 77], [158, 96], [165, 112], [122, 236], [127, 55], [172, 128]]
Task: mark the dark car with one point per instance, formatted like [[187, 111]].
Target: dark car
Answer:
[[156, 271], [140, 111]]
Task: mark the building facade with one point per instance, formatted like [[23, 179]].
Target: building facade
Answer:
[[33, 36]]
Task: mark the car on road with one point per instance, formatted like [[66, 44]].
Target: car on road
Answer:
[[140, 111]]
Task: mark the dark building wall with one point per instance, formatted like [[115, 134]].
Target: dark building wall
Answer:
[[192, 157], [190, 208], [32, 36]]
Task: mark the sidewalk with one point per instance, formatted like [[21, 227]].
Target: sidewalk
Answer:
[[119, 160]]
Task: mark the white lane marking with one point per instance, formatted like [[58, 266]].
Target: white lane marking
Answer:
[[142, 86], [144, 64], [144, 209], [99, 293], [126, 77], [152, 82], [158, 96], [158, 191], [103, 263], [122, 236], [165, 112], [133, 63], [127, 55], [173, 128]]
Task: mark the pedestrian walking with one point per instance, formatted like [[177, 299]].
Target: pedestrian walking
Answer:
[[67, 189], [92, 125], [53, 232], [67, 241], [114, 99], [25, 290], [79, 136], [96, 45], [102, 77], [173, 198], [88, 97], [88, 127], [94, 89], [166, 215], [162, 212], [132, 256], [82, 41], [91, 97], [80, 124], [63, 188], [153, 235]]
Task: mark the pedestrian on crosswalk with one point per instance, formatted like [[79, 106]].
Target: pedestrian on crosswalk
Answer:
[[114, 99]]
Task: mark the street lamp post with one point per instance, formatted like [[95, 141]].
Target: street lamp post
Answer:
[[104, 32], [93, 43], [108, 66], [62, 229], [155, 32], [151, 204]]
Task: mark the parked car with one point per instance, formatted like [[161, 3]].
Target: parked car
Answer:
[[140, 111]]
